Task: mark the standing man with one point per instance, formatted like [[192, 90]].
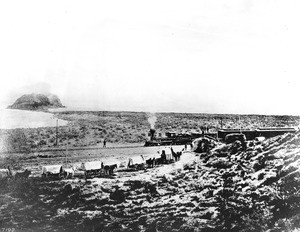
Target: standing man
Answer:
[[163, 156], [104, 143]]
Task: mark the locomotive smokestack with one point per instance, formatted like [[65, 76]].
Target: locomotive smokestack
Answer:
[[152, 134], [152, 119]]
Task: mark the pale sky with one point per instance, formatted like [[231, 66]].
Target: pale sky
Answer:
[[215, 56]]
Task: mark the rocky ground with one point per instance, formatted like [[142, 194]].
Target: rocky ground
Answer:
[[224, 188]]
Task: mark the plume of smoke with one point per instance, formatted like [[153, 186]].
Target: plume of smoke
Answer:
[[152, 120]]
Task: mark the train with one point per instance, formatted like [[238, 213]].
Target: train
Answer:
[[173, 138]]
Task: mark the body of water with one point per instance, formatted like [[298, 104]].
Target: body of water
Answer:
[[11, 119]]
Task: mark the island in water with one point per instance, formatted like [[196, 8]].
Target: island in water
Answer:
[[38, 102]]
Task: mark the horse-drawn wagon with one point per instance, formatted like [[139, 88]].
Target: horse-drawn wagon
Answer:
[[93, 168], [136, 162], [53, 171]]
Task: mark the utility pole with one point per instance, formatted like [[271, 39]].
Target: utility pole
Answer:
[[240, 123], [56, 133], [67, 154], [221, 123]]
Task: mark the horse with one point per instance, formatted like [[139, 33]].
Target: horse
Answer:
[[150, 162], [69, 173], [109, 169], [176, 155], [23, 175]]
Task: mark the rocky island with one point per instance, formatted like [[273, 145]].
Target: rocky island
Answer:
[[38, 102]]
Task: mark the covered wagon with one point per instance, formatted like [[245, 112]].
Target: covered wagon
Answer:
[[136, 162], [52, 171], [93, 168]]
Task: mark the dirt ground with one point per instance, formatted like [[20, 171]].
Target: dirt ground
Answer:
[[229, 188], [35, 161]]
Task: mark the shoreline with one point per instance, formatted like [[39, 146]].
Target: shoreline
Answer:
[[13, 118]]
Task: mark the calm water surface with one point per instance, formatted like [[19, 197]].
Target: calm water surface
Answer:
[[11, 119]]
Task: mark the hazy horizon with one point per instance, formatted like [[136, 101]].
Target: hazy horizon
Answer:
[[233, 57], [95, 109]]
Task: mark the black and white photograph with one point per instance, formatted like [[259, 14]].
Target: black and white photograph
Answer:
[[150, 116]]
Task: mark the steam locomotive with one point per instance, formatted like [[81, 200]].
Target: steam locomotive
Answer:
[[172, 138]]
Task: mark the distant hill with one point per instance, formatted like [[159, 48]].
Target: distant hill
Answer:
[[36, 102]]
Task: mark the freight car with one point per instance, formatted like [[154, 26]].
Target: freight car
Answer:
[[266, 132]]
